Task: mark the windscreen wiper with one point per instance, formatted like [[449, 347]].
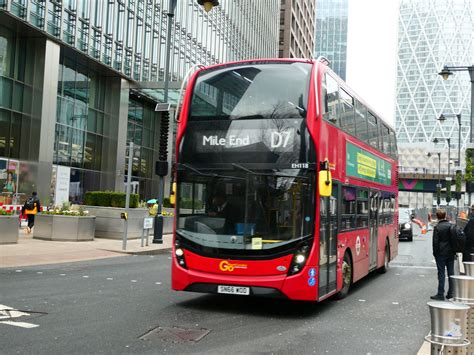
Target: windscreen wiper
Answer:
[[187, 166]]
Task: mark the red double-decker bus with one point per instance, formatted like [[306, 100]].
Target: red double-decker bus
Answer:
[[286, 183]]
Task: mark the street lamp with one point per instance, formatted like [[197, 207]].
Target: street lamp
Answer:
[[447, 71], [161, 166], [436, 141], [438, 186], [442, 118], [208, 4]]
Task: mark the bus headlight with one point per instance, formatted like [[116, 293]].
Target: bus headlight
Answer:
[[179, 254], [299, 260], [407, 225]]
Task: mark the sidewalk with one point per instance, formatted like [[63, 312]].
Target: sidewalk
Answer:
[[31, 251]]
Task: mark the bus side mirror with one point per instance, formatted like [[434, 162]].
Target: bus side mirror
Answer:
[[325, 183], [173, 194]]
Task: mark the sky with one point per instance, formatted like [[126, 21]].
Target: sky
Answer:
[[372, 53]]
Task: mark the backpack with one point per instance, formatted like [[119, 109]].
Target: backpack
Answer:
[[457, 239], [30, 204]]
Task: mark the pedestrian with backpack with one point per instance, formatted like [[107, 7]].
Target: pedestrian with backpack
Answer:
[[444, 254], [31, 207]]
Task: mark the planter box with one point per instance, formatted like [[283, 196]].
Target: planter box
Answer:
[[109, 224], [9, 229], [64, 228]]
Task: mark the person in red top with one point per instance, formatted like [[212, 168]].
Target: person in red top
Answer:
[[31, 207]]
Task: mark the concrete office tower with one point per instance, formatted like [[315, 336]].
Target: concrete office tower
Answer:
[[331, 33], [297, 29], [431, 34], [79, 79]]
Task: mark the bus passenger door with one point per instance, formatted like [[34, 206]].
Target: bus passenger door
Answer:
[[374, 223], [328, 243]]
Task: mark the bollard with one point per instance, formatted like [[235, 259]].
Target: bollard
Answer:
[[464, 294], [448, 327], [469, 268]]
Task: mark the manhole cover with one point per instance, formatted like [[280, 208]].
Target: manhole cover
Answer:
[[175, 334]]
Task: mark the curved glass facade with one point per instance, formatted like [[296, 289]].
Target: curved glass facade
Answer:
[[431, 35]]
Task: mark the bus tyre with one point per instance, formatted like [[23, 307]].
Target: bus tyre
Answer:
[[386, 260], [346, 277]]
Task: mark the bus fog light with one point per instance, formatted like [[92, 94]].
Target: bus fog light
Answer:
[[179, 252], [300, 259], [181, 262]]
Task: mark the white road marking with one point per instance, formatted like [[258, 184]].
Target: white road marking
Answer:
[[62, 274], [157, 283], [395, 303], [361, 300], [413, 267], [421, 275], [9, 313], [85, 276], [18, 270], [40, 272], [110, 278], [19, 324], [134, 280]]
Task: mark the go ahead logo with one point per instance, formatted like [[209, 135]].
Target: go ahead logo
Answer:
[[225, 265]]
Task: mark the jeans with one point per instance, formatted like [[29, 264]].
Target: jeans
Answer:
[[442, 263], [31, 220]]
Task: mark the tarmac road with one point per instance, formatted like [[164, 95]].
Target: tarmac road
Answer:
[[106, 306]]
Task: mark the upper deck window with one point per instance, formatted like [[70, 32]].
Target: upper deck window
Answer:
[[347, 112], [252, 91]]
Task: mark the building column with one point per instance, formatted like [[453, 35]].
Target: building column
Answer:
[[114, 153], [49, 88]]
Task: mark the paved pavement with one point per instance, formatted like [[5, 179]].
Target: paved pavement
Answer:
[[29, 251]]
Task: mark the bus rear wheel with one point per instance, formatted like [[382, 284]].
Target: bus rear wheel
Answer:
[[386, 260], [346, 277]]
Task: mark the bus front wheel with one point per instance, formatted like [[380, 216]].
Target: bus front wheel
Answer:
[[346, 276]]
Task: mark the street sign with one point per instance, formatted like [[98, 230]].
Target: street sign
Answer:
[[148, 223], [162, 107]]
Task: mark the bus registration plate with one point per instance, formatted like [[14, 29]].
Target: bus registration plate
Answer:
[[233, 290]]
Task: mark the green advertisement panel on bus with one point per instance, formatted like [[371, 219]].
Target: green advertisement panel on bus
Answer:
[[364, 165]]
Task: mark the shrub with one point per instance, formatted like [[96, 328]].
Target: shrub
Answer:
[[166, 202], [109, 199], [5, 212]]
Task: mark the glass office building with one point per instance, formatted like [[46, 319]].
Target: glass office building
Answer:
[[331, 33], [432, 34], [79, 79]]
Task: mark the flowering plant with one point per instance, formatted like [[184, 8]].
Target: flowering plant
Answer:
[[66, 210], [167, 214], [5, 212]]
